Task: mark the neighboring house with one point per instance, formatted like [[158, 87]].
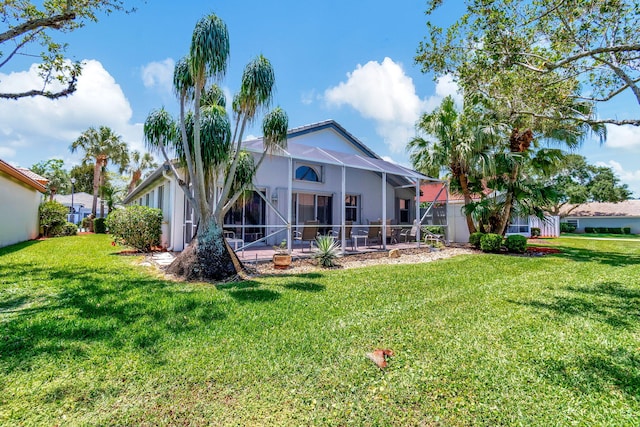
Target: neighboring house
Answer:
[[457, 221], [20, 196], [610, 215], [82, 203], [325, 174]]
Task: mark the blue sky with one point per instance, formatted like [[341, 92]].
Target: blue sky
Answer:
[[344, 60]]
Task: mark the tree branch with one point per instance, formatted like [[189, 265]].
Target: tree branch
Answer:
[[55, 21], [634, 122], [71, 87]]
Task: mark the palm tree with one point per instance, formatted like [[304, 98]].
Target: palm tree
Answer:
[[139, 163], [100, 146], [459, 147], [217, 168]]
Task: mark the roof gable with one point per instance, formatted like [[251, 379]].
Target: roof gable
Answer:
[[330, 135], [22, 177], [629, 208]]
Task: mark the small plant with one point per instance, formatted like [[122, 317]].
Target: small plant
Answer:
[[328, 250], [136, 226], [474, 239], [565, 227], [63, 229], [626, 230], [535, 232], [516, 243], [87, 223], [99, 225], [281, 249], [491, 242]]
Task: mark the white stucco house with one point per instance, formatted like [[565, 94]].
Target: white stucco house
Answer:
[[624, 214], [20, 195], [325, 174]]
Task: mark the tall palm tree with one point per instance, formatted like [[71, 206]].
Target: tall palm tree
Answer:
[[139, 163], [101, 146], [458, 147], [217, 168]]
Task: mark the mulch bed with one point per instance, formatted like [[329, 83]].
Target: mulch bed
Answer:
[[542, 250]]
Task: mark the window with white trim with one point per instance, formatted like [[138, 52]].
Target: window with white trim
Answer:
[[352, 207], [308, 173]]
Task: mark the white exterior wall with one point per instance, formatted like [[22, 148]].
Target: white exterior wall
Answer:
[[18, 211], [611, 222], [458, 230]]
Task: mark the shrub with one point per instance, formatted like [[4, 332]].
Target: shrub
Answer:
[[627, 230], [474, 239], [99, 225], [491, 242], [63, 229], [589, 230], [87, 223], [435, 229], [52, 214], [327, 252], [136, 226], [565, 227], [516, 243], [535, 231]]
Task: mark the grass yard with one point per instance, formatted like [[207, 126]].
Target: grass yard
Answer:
[[88, 338], [600, 236]]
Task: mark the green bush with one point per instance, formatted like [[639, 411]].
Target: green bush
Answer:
[[627, 230], [565, 227], [328, 250], [516, 243], [87, 223], [535, 231], [136, 226], [52, 214], [474, 239], [99, 225], [435, 229], [491, 242], [63, 229]]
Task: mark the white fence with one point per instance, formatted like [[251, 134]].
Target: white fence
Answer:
[[549, 226]]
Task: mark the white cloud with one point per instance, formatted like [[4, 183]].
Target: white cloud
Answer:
[[626, 137], [38, 128], [6, 152], [159, 74], [308, 97], [384, 93]]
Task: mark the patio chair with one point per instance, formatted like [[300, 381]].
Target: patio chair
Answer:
[[409, 234], [309, 233], [375, 233], [390, 233], [230, 237], [429, 236], [337, 235]]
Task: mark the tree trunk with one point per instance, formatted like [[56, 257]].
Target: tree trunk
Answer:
[[467, 201], [97, 170], [208, 257], [134, 180]]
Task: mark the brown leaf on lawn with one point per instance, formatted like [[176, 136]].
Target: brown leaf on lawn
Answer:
[[379, 356]]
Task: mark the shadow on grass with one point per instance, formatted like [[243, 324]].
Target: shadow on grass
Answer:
[[305, 286], [617, 368], [615, 259], [17, 247], [610, 302], [77, 307]]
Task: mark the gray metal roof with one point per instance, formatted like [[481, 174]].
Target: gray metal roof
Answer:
[[322, 155]]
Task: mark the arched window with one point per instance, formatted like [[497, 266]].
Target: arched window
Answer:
[[307, 173]]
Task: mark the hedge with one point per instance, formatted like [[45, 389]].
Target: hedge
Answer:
[[516, 243], [491, 242], [136, 226]]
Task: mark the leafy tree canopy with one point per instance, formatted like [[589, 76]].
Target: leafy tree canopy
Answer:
[[540, 60], [59, 179], [29, 25]]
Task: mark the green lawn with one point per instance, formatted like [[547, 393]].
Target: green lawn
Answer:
[[87, 338], [601, 235]]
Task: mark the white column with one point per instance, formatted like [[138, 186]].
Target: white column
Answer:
[[289, 201], [343, 209], [383, 230], [418, 219]]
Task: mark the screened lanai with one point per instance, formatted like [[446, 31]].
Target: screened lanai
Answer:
[[341, 191]]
